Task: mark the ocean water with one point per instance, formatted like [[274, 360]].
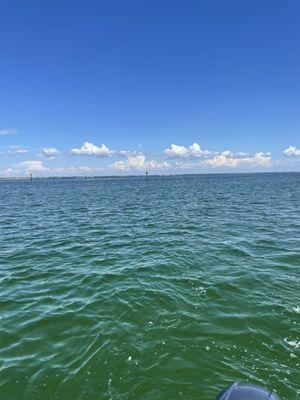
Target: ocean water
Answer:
[[165, 288]]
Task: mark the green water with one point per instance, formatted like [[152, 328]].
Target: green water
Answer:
[[166, 288]]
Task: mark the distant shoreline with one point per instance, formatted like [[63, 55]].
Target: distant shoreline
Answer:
[[22, 178]]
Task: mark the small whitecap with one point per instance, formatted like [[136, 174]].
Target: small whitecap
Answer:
[[200, 289], [297, 309], [292, 343]]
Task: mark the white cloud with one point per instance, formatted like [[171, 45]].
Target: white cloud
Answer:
[[132, 162], [128, 153], [50, 152], [229, 159], [137, 161], [215, 159], [26, 167], [37, 166], [91, 149], [208, 159], [291, 151], [6, 132], [14, 150], [21, 151], [175, 151]]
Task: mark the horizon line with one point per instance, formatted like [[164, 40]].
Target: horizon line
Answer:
[[142, 175]]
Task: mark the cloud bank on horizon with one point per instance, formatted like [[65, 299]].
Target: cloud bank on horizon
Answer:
[[176, 158]]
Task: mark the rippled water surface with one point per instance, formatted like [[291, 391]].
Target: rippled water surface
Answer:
[[166, 288]]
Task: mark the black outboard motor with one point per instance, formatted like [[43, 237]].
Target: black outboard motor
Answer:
[[246, 391]]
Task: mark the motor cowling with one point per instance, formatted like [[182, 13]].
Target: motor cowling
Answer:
[[246, 391]]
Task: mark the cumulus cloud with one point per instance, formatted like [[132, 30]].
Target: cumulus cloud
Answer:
[[5, 132], [26, 167], [91, 149], [175, 151], [291, 151], [215, 159], [50, 152], [229, 159], [137, 161], [176, 158]]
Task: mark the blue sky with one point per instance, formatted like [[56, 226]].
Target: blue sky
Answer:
[[107, 87]]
